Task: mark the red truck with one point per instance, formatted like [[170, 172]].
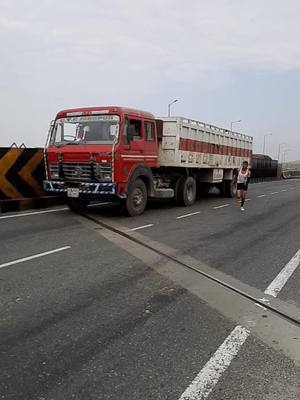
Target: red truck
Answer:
[[109, 153]]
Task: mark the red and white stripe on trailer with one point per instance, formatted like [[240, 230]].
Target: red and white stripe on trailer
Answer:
[[198, 146]]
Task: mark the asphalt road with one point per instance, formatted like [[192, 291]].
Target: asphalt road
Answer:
[[88, 314]]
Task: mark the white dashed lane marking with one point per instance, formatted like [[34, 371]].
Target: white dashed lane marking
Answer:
[[46, 253], [188, 215], [140, 227], [28, 214]]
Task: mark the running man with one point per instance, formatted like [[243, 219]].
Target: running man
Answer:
[[242, 183]]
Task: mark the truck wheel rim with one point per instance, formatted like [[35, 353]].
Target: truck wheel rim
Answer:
[[138, 197], [190, 192]]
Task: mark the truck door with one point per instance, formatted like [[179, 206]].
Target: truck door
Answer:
[[150, 143], [133, 145], [139, 144]]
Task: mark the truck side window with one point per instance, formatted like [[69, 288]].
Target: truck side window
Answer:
[[133, 130], [149, 131]]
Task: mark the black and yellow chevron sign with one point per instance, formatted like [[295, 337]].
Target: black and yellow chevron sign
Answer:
[[21, 173]]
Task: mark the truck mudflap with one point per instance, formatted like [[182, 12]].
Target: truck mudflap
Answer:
[[85, 188]]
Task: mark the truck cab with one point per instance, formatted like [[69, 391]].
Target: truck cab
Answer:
[[94, 153]]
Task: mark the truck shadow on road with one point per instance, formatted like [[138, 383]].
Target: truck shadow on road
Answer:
[[114, 210]]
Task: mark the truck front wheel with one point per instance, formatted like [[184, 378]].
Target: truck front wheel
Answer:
[[185, 191], [137, 198]]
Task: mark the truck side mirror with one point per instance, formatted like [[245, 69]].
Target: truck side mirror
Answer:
[[50, 131], [114, 132]]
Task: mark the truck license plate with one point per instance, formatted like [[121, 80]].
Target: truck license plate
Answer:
[[73, 192]]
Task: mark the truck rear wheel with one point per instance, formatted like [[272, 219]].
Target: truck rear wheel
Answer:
[[136, 199], [185, 191], [229, 188]]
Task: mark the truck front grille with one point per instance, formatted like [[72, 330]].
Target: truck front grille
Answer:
[[77, 172], [70, 171]]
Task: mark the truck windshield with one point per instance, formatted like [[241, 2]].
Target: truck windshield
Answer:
[[102, 129]]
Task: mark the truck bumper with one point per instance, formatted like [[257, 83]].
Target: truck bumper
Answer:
[[85, 188]]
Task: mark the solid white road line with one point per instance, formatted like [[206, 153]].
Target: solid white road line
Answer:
[[140, 227], [222, 206], [274, 193], [260, 306], [209, 376], [262, 195], [275, 287], [188, 215], [34, 213], [46, 253]]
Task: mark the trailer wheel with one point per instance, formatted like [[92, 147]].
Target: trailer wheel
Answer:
[[185, 191], [77, 204], [137, 198], [230, 187]]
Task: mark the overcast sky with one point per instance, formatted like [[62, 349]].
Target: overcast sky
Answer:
[[224, 60]]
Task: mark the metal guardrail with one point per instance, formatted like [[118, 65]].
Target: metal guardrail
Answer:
[[291, 173], [264, 179]]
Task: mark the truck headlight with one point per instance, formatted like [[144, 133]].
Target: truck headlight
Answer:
[[106, 177], [54, 171], [103, 172]]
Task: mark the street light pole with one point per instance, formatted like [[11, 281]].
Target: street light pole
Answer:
[[284, 153], [279, 150], [234, 122], [264, 149], [169, 107]]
